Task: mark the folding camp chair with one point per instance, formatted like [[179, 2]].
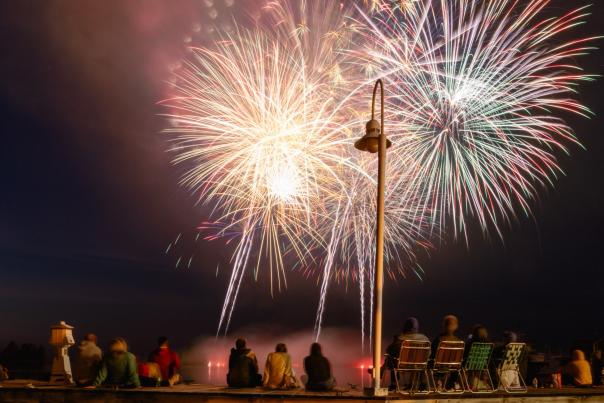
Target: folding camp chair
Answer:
[[477, 363], [413, 361], [508, 371], [447, 360]]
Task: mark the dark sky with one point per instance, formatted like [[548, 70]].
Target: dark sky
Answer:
[[90, 201]]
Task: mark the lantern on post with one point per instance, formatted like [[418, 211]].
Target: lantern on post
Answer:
[[61, 338]]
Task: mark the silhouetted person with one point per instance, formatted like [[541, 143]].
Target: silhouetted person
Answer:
[[597, 364], [450, 327], [278, 373], [168, 361], [579, 370], [118, 367], [410, 331], [508, 378], [87, 360], [243, 367], [480, 334], [318, 370]]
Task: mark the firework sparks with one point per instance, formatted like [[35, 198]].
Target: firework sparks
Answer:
[[473, 87], [265, 120], [265, 147]]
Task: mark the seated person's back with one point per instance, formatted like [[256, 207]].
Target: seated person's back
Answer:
[[118, 367], [243, 367], [318, 370], [278, 373], [168, 361], [579, 369]]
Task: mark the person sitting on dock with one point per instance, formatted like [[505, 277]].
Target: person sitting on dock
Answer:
[[87, 360], [278, 373], [118, 367], [579, 370], [243, 367], [450, 327], [318, 370], [410, 332], [480, 334], [168, 361]]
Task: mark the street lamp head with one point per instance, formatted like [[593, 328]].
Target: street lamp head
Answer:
[[371, 140]]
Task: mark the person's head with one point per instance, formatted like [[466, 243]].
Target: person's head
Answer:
[[480, 333], [411, 325], [162, 342], [91, 337], [450, 324], [240, 343], [315, 349], [510, 337], [281, 348], [578, 355], [118, 346], [597, 354]]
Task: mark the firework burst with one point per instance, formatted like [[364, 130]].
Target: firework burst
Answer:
[[265, 120], [473, 89]]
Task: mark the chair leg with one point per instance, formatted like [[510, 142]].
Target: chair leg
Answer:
[[465, 382], [398, 386], [433, 381], [491, 383]]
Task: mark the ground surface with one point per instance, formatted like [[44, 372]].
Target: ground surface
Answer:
[[30, 392]]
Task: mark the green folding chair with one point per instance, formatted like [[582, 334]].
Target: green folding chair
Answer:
[[510, 378], [477, 365]]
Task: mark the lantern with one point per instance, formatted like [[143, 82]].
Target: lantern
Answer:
[[61, 337]]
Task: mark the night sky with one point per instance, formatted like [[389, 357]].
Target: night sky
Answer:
[[90, 201]]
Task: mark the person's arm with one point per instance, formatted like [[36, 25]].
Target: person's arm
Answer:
[[254, 361], [288, 366], [266, 376], [133, 378], [101, 374], [176, 360]]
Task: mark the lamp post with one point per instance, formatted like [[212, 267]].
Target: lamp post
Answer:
[[375, 141]]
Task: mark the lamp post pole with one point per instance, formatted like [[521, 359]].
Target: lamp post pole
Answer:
[[379, 246], [375, 140]]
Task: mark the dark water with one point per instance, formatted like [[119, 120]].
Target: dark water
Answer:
[[206, 361], [216, 374]]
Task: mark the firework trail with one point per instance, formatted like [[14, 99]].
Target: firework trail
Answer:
[[323, 33], [473, 88]]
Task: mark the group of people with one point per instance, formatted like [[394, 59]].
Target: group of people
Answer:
[[576, 372], [278, 373], [118, 367]]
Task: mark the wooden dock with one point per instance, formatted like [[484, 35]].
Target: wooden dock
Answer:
[[36, 392]]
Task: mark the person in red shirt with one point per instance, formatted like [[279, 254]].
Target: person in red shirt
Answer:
[[168, 361]]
